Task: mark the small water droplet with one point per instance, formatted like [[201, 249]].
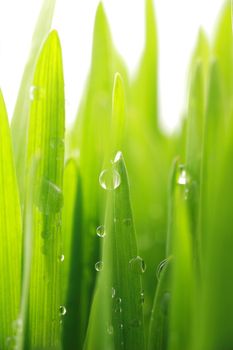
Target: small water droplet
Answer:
[[50, 197], [110, 329], [182, 176], [36, 93], [99, 266], [186, 193], [121, 326], [61, 258], [118, 307], [127, 222], [160, 267], [62, 310], [137, 265], [109, 179], [113, 292], [100, 231], [142, 297]]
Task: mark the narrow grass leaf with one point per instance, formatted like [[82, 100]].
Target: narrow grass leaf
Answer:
[[10, 235], [19, 124], [45, 138]]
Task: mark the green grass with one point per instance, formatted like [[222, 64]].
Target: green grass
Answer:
[[114, 234]]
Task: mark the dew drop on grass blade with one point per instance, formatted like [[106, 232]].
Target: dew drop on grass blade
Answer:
[[45, 139], [19, 124], [10, 236], [119, 284]]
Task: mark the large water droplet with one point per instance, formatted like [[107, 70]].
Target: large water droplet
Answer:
[[50, 197], [182, 176], [100, 231], [109, 179], [99, 266], [137, 265], [61, 258], [160, 267], [62, 310], [36, 93]]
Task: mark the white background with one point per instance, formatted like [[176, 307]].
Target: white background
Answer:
[[178, 24]]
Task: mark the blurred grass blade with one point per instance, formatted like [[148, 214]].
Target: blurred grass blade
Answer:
[[46, 134], [10, 235], [159, 323], [182, 283], [121, 268], [144, 88], [71, 228], [19, 124]]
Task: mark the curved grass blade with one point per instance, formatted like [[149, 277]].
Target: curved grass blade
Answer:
[[119, 286], [45, 138], [10, 235], [19, 124]]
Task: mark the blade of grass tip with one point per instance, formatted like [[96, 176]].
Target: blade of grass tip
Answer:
[[158, 332], [145, 89], [182, 278], [46, 134], [11, 236], [72, 220], [19, 124], [223, 51], [26, 256], [91, 136]]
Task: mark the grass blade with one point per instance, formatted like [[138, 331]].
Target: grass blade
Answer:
[[46, 134], [19, 124], [11, 236]]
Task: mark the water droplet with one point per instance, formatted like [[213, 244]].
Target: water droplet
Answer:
[[62, 310], [50, 198], [121, 326], [160, 267], [110, 329], [137, 265], [182, 176], [61, 258], [100, 231], [99, 266], [109, 179], [127, 222], [113, 292], [118, 156], [135, 323], [118, 307], [186, 193], [142, 298], [36, 93]]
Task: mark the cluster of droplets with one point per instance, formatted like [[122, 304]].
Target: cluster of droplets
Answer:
[[137, 265]]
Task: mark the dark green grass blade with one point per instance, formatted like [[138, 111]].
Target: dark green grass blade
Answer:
[[19, 124], [10, 235], [119, 285], [46, 134]]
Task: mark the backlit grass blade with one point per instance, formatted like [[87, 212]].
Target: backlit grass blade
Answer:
[[119, 287], [19, 124], [11, 236], [144, 89], [182, 279], [45, 138], [159, 323]]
